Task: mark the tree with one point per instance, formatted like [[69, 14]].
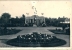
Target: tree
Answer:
[[13, 22], [5, 18], [47, 21], [22, 20]]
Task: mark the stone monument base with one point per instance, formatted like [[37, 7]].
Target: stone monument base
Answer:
[[34, 25]]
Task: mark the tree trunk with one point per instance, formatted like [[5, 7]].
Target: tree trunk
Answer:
[[5, 29]]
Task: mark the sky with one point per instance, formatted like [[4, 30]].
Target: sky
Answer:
[[53, 9]]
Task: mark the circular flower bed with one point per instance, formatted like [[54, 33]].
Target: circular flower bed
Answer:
[[37, 40]]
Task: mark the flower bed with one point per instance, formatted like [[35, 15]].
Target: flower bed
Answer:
[[37, 40]]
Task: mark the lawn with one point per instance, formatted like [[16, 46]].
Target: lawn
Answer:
[[9, 31], [59, 32]]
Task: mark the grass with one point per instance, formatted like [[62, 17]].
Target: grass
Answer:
[[59, 32], [9, 31]]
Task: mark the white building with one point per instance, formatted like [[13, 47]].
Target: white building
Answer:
[[67, 20], [35, 19]]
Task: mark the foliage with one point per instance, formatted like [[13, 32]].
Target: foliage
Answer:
[[6, 20]]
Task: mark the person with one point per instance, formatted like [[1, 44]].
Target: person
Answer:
[[56, 29], [63, 27]]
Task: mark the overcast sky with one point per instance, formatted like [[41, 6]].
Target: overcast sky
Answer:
[[49, 8]]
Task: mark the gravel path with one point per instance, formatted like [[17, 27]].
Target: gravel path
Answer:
[[29, 30]]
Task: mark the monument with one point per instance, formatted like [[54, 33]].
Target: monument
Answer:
[[34, 25]]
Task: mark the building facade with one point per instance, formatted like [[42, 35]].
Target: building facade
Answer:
[[35, 19]]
